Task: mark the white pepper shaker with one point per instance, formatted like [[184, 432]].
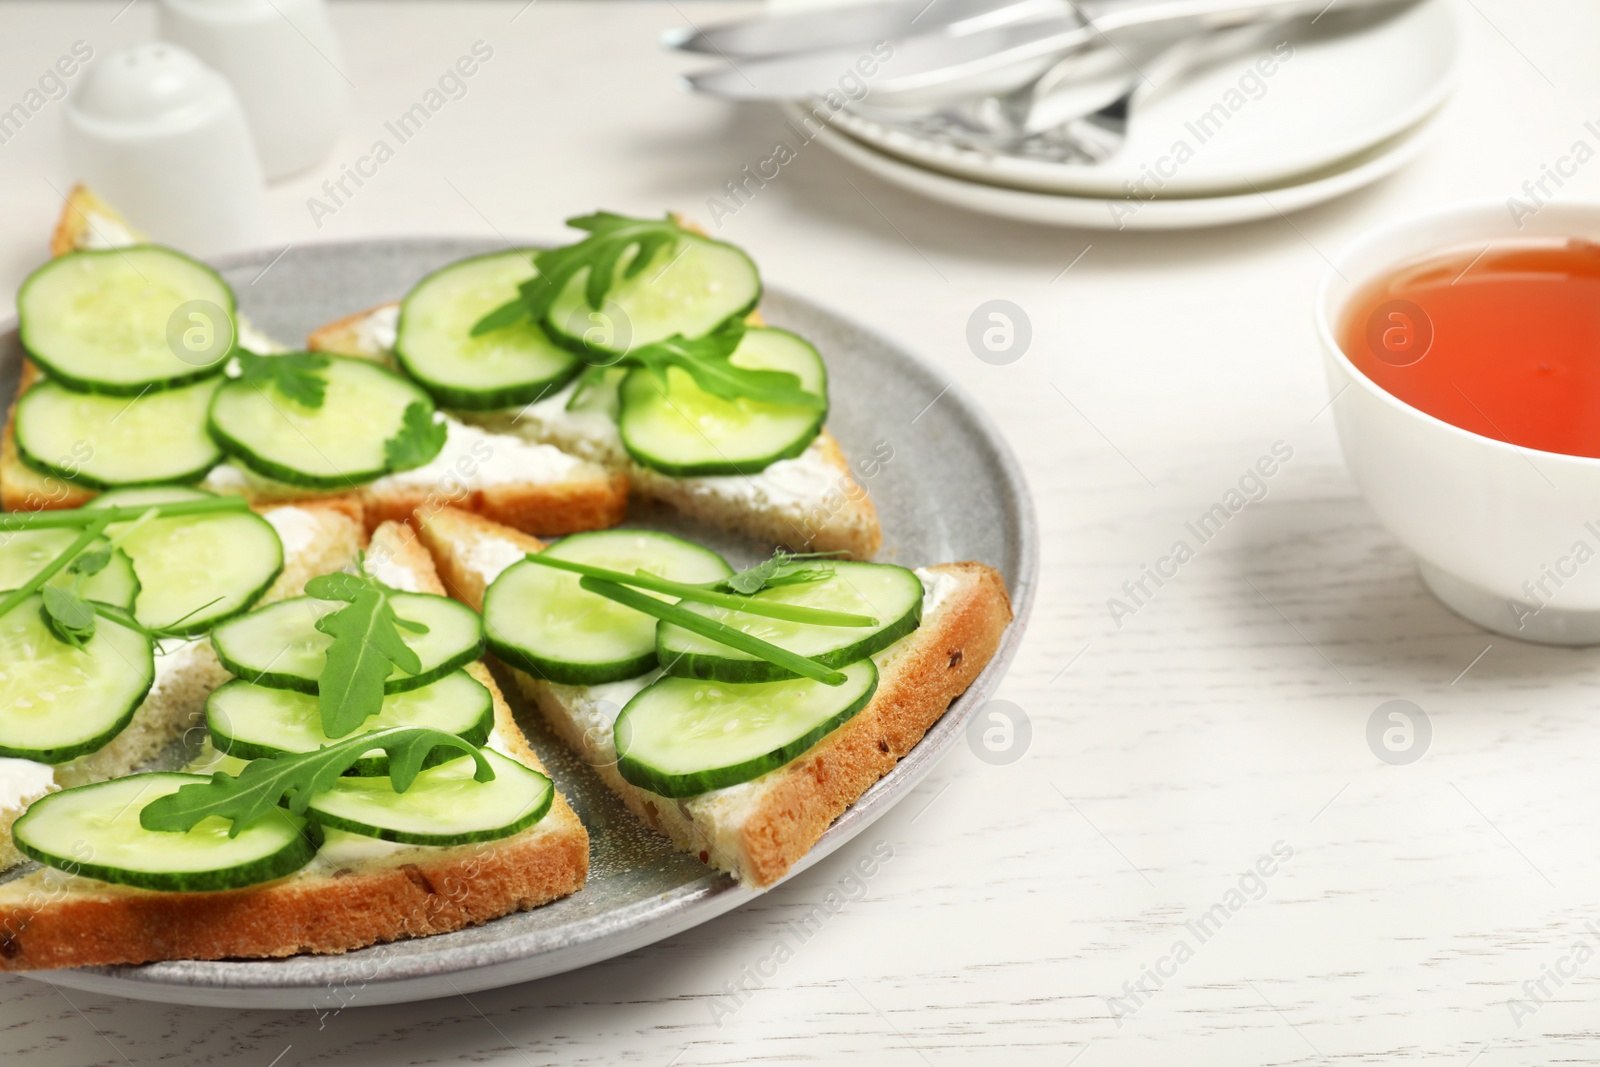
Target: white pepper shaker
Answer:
[[283, 60], [162, 136]]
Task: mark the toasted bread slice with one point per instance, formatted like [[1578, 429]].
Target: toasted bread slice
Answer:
[[88, 222], [524, 484], [316, 540], [756, 831], [356, 892], [810, 503]]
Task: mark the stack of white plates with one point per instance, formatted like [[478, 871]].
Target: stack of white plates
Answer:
[[1315, 113]]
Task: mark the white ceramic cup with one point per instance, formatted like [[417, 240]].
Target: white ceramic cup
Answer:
[[162, 136], [1506, 537], [283, 59]]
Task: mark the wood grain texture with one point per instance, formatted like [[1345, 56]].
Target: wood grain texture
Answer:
[[1225, 716]]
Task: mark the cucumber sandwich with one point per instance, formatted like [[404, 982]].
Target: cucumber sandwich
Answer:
[[103, 636], [392, 796], [638, 347], [141, 371], [738, 713]]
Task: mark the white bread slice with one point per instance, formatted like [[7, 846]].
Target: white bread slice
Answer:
[[316, 540], [521, 483], [810, 503], [756, 831], [357, 891]]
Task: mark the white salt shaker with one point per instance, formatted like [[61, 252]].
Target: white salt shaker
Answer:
[[162, 136], [283, 60]]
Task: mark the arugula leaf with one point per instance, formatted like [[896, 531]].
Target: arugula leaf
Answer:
[[610, 238], [296, 777], [293, 374], [770, 573], [67, 615], [418, 440], [708, 360], [510, 313], [366, 646], [341, 585]]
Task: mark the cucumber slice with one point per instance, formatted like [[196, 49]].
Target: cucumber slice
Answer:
[[682, 430], [333, 446], [680, 737], [184, 563], [504, 368], [444, 806], [892, 595], [539, 620], [23, 553], [691, 289], [601, 394], [94, 830], [62, 702], [252, 721], [101, 442], [279, 646], [126, 320]]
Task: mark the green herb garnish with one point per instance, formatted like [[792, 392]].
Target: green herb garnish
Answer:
[[71, 630], [770, 573], [419, 439], [69, 617], [66, 612], [610, 238], [366, 646], [68, 518], [294, 374], [701, 595], [295, 778], [716, 631], [708, 360], [617, 240]]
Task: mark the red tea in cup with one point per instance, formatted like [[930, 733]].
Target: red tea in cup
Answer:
[[1502, 341]]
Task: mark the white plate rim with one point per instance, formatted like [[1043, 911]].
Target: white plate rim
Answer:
[[1031, 175], [1101, 213]]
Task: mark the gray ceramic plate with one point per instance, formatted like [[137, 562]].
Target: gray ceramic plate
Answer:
[[951, 491]]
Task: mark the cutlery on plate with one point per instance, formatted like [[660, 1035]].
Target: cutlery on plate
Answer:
[[1080, 110], [936, 68], [809, 31]]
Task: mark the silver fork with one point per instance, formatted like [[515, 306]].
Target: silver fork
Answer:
[[1079, 110]]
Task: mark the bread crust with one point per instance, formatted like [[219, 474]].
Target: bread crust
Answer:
[[73, 227], [912, 695], [346, 337], [335, 913], [797, 803], [49, 920], [844, 520], [555, 509], [21, 487]]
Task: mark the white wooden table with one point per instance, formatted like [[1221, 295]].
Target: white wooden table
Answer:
[[1224, 719]]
